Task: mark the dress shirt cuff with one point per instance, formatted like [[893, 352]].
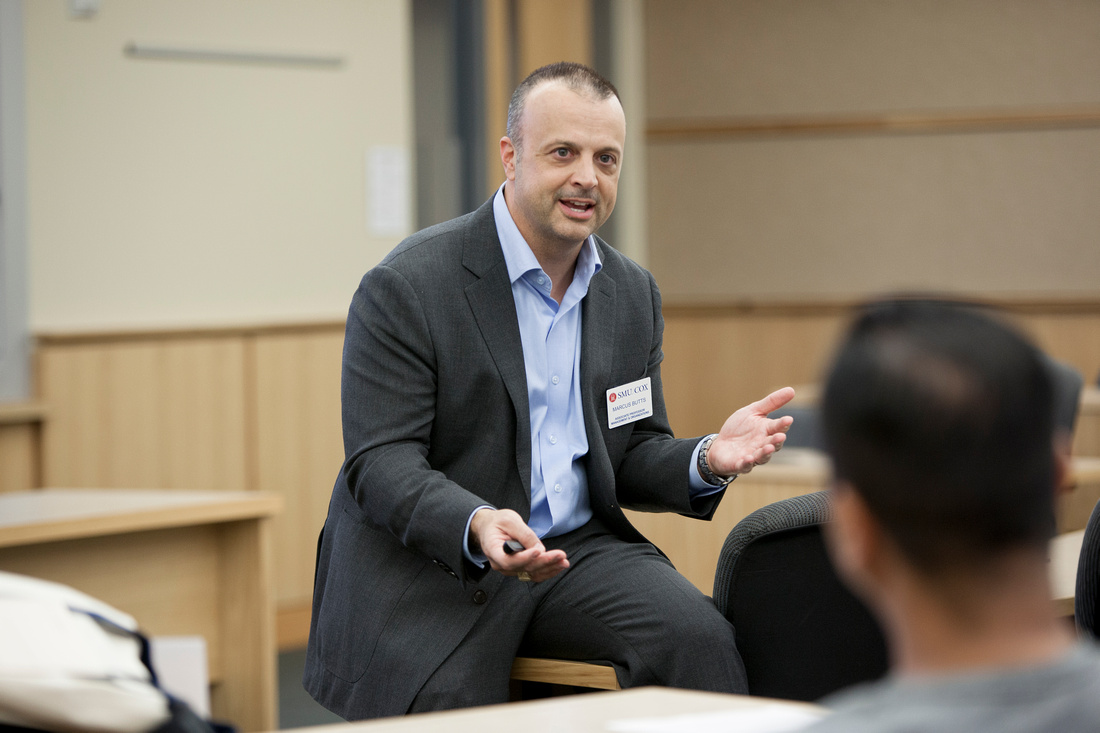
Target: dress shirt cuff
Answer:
[[697, 487], [480, 559]]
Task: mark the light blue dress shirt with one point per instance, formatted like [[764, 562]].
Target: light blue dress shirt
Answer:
[[551, 337]]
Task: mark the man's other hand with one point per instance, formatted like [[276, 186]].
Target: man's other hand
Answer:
[[491, 528]]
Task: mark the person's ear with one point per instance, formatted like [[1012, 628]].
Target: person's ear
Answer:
[[854, 539], [1063, 446], [508, 157]]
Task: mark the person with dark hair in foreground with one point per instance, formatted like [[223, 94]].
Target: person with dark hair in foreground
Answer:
[[502, 391], [939, 422]]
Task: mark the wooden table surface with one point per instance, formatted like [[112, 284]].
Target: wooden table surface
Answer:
[[596, 712], [180, 562]]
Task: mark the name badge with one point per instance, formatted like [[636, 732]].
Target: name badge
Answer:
[[629, 403]]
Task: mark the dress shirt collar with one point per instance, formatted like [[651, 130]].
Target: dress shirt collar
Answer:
[[518, 255]]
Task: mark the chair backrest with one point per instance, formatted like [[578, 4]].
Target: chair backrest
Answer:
[[805, 431], [800, 631], [1086, 599], [1067, 392]]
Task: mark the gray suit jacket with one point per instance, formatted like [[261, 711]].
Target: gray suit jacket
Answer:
[[436, 423]]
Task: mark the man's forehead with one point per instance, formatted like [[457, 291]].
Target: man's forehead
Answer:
[[553, 102], [558, 90]]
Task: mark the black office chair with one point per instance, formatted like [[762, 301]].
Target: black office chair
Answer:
[[799, 630], [1086, 599], [805, 431], [1067, 392]]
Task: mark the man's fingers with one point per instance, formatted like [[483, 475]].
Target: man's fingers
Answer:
[[781, 424], [774, 401], [547, 570], [549, 573], [540, 567]]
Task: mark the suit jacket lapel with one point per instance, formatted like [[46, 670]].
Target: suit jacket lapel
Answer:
[[597, 337], [494, 310]]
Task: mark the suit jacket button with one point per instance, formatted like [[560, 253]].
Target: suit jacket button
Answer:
[[480, 597]]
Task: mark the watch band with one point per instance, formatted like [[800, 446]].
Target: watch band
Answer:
[[704, 467]]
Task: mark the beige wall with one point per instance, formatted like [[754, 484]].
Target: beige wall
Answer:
[[174, 194], [1002, 208], [167, 193]]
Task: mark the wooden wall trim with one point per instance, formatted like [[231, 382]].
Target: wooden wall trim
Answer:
[[1037, 305], [74, 338], [688, 129], [22, 413], [1032, 304]]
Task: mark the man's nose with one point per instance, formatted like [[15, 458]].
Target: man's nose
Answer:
[[584, 174]]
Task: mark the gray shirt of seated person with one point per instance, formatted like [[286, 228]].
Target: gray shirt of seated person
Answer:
[[1062, 697]]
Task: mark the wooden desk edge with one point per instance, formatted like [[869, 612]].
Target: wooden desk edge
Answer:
[[216, 511], [643, 702]]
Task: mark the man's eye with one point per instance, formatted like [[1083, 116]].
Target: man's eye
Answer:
[[607, 159], [562, 152]]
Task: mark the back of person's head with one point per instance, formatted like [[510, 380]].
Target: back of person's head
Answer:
[[941, 419]]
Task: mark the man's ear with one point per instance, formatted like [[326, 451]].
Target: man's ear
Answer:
[[854, 539], [1063, 446], [508, 157]]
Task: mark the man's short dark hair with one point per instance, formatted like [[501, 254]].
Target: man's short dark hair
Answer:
[[941, 417], [577, 77]]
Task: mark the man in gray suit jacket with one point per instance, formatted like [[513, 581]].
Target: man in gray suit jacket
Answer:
[[501, 383]]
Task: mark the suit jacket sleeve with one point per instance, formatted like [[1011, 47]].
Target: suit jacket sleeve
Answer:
[[388, 399]]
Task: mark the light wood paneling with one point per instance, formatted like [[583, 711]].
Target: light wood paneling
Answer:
[[298, 444], [1072, 336], [20, 433], [542, 35], [292, 625], [246, 611], [156, 413], [1086, 436], [499, 82], [717, 360], [18, 457]]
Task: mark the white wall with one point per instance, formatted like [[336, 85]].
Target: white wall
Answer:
[[169, 193]]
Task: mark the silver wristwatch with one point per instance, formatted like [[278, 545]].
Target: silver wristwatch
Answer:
[[704, 468]]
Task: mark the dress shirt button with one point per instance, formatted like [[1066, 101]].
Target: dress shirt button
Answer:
[[553, 440], [554, 379], [557, 488], [541, 280], [480, 597]]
